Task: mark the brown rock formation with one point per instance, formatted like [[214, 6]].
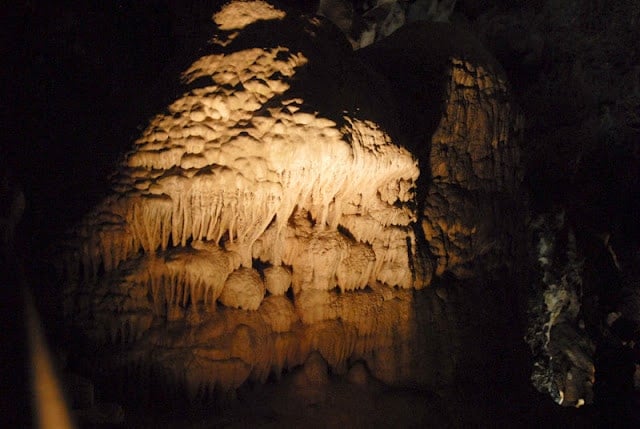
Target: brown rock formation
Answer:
[[272, 210], [464, 128]]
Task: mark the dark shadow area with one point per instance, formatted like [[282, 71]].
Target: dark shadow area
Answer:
[[15, 401], [80, 82]]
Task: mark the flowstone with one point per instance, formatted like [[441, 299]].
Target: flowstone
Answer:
[[272, 212]]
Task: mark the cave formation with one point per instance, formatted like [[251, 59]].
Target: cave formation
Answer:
[[259, 218], [314, 204]]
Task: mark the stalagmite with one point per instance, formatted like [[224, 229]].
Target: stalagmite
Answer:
[[244, 289], [277, 279], [564, 367]]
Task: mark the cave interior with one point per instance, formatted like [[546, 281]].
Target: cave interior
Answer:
[[323, 213]]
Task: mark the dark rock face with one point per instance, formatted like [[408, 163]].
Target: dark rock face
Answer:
[[339, 186], [577, 84], [563, 352], [464, 129]]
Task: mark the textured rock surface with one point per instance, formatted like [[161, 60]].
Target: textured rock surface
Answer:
[[573, 65], [464, 130], [243, 180], [563, 352], [365, 22], [284, 166], [579, 87]]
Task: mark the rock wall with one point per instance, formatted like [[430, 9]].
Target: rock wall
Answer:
[[289, 200], [563, 352], [464, 127], [575, 73]]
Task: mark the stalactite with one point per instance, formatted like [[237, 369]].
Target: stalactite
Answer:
[[241, 191]]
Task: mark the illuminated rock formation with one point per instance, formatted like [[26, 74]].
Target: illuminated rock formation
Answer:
[[462, 126], [272, 212]]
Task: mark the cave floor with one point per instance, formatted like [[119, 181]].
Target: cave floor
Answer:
[[342, 405]]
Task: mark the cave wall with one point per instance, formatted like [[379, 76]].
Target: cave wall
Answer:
[[575, 82], [575, 73]]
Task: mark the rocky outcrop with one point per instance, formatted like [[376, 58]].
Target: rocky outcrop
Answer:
[[249, 184], [579, 87], [563, 352], [464, 129], [290, 201]]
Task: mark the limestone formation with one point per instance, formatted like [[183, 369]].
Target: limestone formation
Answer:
[[278, 208], [463, 127], [563, 352]]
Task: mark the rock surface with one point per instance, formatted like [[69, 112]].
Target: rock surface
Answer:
[[290, 165], [464, 128], [563, 352]]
